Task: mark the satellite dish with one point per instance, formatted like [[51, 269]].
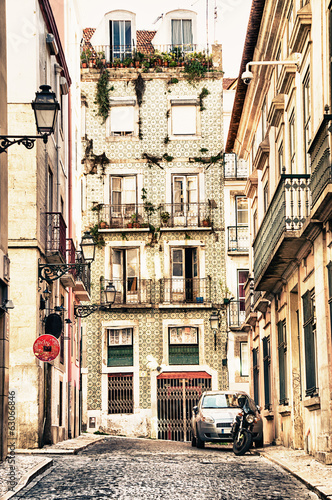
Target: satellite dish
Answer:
[[53, 325]]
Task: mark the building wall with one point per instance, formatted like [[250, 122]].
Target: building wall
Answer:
[[150, 324]]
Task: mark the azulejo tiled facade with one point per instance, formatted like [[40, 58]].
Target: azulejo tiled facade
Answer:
[[169, 274]]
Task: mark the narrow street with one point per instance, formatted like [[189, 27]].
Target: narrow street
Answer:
[[121, 468]]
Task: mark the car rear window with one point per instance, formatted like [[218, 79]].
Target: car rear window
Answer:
[[220, 401]]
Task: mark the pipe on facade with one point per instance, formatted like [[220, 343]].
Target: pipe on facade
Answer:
[[70, 293]]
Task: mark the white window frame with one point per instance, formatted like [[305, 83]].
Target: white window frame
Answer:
[[120, 104], [182, 103]]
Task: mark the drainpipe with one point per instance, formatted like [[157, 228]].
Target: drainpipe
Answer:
[[70, 294]]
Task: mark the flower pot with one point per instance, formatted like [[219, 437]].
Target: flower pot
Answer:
[[84, 65], [103, 225], [136, 224], [130, 225], [206, 223]]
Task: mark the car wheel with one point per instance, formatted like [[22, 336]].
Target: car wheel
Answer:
[[199, 442], [259, 443], [193, 439]]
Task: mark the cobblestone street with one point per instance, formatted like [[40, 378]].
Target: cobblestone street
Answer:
[[121, 468]]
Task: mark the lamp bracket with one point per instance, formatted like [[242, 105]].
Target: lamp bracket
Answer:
[[81, 311], [28, 142], [52, 272]]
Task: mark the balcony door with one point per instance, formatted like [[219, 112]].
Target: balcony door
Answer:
[[123, 198], [125, 275], [120, 39], [242, 276], [185, 200], [185, 283]]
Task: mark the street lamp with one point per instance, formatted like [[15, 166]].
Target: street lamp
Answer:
[[46, 109], [214, 323], [88, 247], [82, 311]]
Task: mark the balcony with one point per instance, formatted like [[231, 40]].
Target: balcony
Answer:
[[172, 215], [321, 172], [55, 238], [235, 168], [132, 292], [186, 291], [82, 286], [279, 237], [238, 239], [236, 313], [68, 279]]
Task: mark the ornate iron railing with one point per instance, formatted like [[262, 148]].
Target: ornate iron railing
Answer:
[[238, 239], [287, 212], [236, 313], [320, 154], [249, 296], [186, 290], [165, 215], [83, 272], [56, 234], [130, 291]]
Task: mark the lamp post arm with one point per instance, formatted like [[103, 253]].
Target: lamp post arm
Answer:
[[288, 62], [27, 141]]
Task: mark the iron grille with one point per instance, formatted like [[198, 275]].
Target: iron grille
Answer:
[[176, 399], [120, 393]]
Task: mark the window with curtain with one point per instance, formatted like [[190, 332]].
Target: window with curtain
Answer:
[[183, 345], [282, 355], [267, 372], [120, 39], [182, 33], [310, 346], [119, 346]]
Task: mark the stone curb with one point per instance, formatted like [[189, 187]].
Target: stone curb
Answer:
[[57, 450], [28, 477], [310, 486]]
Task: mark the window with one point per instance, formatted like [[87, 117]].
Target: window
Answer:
[[120, 347], [185, 284], [281, 158], [241, 204], [266, 196], [123, 197], [242, 277], [282, 355], [292, 144], [263, 119], [278, 58], [120, 39], [255, 375], [307, 118], [184, 117], [310, 345], [255, 223], [183, 345], [50, 191], [182, 33], [244, 359], [185, 200], [121, 121], [290, 21], [267, 371], [120, 393], [125, 275]]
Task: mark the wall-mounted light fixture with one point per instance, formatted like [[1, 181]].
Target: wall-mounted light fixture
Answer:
[[46, 109], [214, 323], [6, 306], [82, 311], [52, 272]]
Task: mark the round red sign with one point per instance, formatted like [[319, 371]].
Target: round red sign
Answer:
[[46, 348]]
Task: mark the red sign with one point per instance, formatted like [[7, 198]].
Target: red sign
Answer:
[[46, 348]]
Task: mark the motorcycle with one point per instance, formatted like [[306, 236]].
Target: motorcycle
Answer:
[[243, 424]]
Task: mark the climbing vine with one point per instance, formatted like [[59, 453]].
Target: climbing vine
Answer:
[[102, 95]]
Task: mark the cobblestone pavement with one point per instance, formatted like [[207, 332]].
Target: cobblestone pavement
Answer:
[[127, 469]]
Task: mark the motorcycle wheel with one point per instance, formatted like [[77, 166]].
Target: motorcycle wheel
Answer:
[[193, 439], [242, 443]]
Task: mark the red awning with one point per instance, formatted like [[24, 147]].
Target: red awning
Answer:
[[184, 375]]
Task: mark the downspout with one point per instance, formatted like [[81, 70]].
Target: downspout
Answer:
[[70, 293]]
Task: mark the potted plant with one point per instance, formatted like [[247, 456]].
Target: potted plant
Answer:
[[165, 216], [206, 222]]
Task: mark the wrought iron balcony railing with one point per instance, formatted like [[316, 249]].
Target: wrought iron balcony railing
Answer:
[[166, 215], [320, 154], [238, 239], [55, 236], [83, 272], [131, 291], [286, 214], [236, 313], [186, 290], [249, 296]]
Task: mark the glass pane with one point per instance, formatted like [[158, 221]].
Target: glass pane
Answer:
[[178, 270], [192, 190], [113, 337], [132, 263], [187, 32], [116, 34], [126, 336], [122, 119], [177, 256], [128, 35], [176, 32], [178, 189], [129, 190]]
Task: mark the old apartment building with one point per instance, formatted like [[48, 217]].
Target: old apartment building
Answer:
[[281, 124], [152, 195]]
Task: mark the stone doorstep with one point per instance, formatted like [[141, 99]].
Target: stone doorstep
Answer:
[[28, 477], [68, 447]]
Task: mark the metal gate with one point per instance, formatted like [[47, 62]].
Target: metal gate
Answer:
[[176, 397]]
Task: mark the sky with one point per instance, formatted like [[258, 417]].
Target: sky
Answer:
[[229, 28]]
